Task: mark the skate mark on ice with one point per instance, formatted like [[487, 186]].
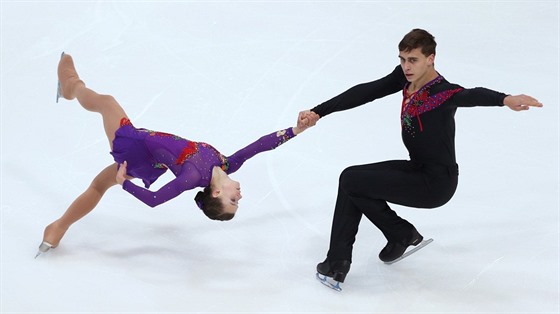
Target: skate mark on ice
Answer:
[[484, 270], [150, 104]]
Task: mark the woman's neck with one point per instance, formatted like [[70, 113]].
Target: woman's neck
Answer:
[[217, 175]]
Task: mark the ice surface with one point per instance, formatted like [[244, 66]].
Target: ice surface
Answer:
[[227, 72]]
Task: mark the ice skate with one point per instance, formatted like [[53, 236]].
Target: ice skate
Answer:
[[44, 248], [411, 251], [395, 251], [51, 237], [67, 78], [332, 274]]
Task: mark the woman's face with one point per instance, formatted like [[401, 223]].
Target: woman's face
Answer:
[[230, 195]]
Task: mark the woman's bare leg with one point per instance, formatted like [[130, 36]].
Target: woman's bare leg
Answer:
[[73, 87], [81, 206]]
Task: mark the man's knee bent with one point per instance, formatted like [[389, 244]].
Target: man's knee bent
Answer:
[[348, 177]]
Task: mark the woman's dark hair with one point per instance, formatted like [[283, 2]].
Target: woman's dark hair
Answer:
[[211, 206], [418, 38]]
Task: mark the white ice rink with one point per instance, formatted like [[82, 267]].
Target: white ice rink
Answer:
[[227, 72]]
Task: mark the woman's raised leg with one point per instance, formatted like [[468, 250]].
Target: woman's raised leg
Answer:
[[71, 86]]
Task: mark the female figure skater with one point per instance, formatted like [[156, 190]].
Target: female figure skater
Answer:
[[146, 155]]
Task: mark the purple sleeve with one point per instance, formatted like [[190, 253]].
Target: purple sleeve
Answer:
[[189, 178], [265, 143]]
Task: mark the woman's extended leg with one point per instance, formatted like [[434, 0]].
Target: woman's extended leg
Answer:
[[71, 86], [81, 206]]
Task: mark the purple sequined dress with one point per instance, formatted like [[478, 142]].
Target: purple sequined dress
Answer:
[[149, 154]]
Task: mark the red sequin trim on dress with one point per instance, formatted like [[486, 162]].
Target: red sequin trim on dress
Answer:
[[187, 152], [125, 121]]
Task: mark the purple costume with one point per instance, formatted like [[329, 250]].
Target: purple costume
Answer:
[[150, 153]]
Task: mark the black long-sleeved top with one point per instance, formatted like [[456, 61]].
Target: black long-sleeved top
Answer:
[[427, 120]]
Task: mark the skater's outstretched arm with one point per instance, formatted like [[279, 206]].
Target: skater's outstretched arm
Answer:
[[266, 143]]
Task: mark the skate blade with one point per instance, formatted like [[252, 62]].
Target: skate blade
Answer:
[[411, 251], [44, 248], [58, 90], [329, 282]]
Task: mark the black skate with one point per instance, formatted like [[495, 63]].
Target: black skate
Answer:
[[332, 274], [395, 251]]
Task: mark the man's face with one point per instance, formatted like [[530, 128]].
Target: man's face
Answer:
[[415, 65]]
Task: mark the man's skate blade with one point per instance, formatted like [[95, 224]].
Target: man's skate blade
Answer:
[[335, 285], [412, 251]]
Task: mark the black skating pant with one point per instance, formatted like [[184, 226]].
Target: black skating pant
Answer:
[[366, 189]]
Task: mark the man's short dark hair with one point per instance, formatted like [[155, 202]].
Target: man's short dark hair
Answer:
[[418, 38]]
